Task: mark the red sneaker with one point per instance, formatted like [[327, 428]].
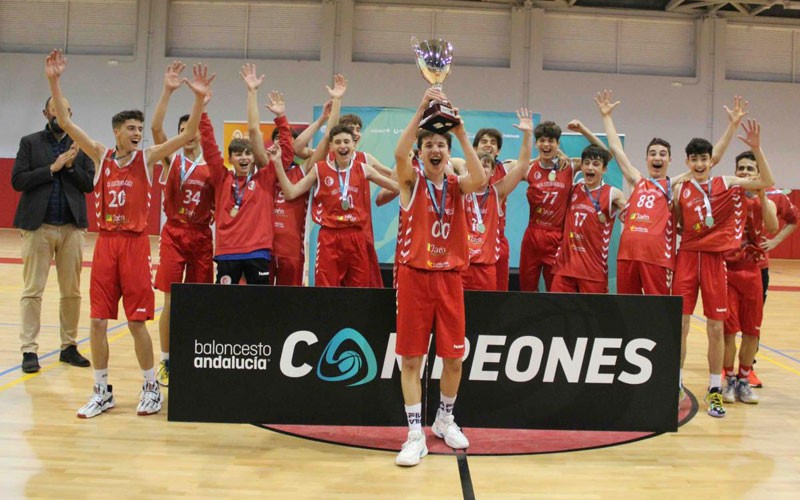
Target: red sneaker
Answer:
[[754, 380]]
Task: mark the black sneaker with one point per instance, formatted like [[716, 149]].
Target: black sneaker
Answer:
[[72, 356], [30, 362]]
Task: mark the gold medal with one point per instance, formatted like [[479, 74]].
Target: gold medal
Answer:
[[234, 211], [602, 218], [552, 175], [181, 210]]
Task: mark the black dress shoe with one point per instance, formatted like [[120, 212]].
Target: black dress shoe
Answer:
[[30, 362], [72, 356]]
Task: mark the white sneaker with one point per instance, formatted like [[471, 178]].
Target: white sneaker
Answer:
[[413, 449], [446, 428], [729, 391], [150, 400], [102, 400], [745, 393]]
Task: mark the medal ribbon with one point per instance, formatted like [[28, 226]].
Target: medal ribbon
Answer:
[[667, 192], [344, 184], [706, 197], [596, 202], [238, 197], [186, 174], [476, 208], [439, 208]]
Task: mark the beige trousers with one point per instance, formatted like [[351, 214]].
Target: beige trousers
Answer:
[[65, 245]]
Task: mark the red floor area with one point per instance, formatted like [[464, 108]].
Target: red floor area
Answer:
[[482, 441]]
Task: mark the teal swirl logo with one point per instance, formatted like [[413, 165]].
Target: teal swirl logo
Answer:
[[341, 362]]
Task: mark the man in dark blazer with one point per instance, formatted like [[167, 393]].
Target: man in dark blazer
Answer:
[[52, 176]]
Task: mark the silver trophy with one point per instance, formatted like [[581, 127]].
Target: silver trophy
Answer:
[[434, 58]]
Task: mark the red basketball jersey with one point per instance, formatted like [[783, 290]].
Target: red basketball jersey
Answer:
[[484, 232], [289, 218], [749, 253], [188, 194], [330, 207], [435, 243], [500, 172], [251, 227], [548, 199], [584, 247], [787, 213], [648, 230], [122, 193], [727, 210]]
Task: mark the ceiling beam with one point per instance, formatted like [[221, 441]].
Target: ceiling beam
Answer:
[[768, 6]]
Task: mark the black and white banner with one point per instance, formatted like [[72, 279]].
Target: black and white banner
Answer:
[[295, 355]]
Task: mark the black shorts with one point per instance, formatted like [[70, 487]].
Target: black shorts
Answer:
[[256, 271]]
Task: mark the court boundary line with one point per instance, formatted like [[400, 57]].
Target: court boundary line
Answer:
[[28, 376]]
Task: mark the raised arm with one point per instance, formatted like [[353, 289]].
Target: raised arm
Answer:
[[752, 138], [336, 94], [301, 148], [507, 184], [172, 80], [290, 190], [54, 66], [578, 126], [475, 177], [735, 116], [277, 106], [402, 152], [200, 85], [606, 106], [252, 81]]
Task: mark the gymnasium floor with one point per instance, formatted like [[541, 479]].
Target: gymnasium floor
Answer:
[[47, 452]]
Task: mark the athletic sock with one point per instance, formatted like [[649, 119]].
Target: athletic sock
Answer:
[[101, 377], [149, 375], [164, 356], [446, 405], [729, 371], [744, 372], [414, 416], [715, 380]]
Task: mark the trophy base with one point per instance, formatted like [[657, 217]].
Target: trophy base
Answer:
[[439, 118]]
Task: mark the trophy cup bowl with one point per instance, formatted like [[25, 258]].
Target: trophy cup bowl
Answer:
[[434, 58]]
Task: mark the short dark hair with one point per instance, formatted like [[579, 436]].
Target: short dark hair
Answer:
[[547, 129], [181, 120], [351, 120], [239, 146], [698, 146], [123, 116], [594, 152], [657, 141], [340, 129], [491, 132], [746, 155], [423, 134], [47, 102]]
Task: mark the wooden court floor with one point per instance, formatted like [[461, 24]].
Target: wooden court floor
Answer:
[[46, 452]]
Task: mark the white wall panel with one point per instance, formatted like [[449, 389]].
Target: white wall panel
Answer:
[[759, 53], [479, 37]]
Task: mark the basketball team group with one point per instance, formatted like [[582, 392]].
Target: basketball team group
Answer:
[[450, 231]]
